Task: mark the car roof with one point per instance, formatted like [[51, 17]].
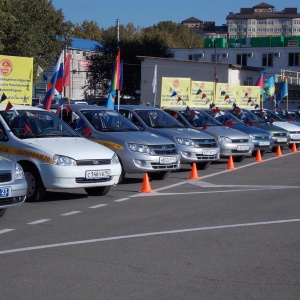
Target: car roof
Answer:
[[20, 107], [135, 107]]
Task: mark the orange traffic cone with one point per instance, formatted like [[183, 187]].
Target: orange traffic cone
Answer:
[[194, 172], [294, 148], [146, 185], [278, 152], [258, 157], [230, 165]]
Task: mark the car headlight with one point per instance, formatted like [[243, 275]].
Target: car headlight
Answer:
[[185, 142], [115, 159], [251, 137], [288, 135], [61, 160], [19, 173], [224, 139], [271, 136], [138, 148]]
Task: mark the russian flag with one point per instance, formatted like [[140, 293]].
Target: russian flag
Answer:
[[52, 83]]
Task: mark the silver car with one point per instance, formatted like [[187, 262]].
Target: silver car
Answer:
[[195, 146], [139, 151], [232, 142], [13, 186]]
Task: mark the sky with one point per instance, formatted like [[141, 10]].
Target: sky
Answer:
[[148, 13]]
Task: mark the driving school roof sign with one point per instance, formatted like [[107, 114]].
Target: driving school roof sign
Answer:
[[16, 75]]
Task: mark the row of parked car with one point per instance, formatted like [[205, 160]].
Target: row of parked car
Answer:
[[93, 147]]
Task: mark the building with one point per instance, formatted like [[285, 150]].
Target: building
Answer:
[[263, 20], [222, 72], [80, 51]]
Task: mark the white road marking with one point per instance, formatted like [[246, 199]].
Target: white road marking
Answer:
[[121, 237], [5, 230], [97, 206], [121, 200], [39, 221], [71, 213]]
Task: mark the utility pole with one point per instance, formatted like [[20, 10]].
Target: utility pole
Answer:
[[118, 48]]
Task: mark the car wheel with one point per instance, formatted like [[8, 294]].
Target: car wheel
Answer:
[[122, 176], [2, 212], [203, 165], [35, 187], [239, 158], [98, 191], [159, 175]]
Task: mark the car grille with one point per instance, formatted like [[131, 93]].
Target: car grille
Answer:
[[5, 176], [163, 149], [206, 143], [93, 162], [156, 166], [207, 157], [240, 141], [84, 180], [280, 134], [261, 137], [11, 200]]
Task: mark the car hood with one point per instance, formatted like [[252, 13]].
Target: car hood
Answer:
[[182, 133], [226, 131], [287, 126], [139, 137], [77, 148], [269, 127], [250, 130]]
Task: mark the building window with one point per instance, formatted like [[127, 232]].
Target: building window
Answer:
[[251, 29], [296, 22], [267, 60], [294, 59], [296, 29], [286, 23], [242, 23], [248, 81], [251, 22], [241, 59], [261, 22]]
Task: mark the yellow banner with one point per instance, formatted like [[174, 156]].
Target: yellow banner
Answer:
[[16, 74], [249, 96], [226, 94], [202, 93], [175, 91]]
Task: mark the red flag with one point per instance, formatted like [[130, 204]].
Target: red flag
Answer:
[[68, 109], [175, 116], [8, 106], [204, 127], [226, 97], [203, 96], [66, 73], [87, 131], [26, 129], [179, 99], [250, 123]]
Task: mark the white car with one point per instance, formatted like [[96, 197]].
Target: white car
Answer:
[[53, 155], [13, 186]]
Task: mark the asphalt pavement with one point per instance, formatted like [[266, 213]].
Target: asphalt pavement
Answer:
[[230, 234]]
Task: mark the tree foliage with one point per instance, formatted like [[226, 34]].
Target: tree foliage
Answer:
[[155, 41], [33, 28]]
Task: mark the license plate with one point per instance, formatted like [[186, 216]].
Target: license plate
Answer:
[[282, 140], [264, 143], [4, 192], [167, 160], [209, 151], [97, 174], [242, 148], [296, 137]]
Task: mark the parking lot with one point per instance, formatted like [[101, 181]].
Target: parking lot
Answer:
[[231, 234]]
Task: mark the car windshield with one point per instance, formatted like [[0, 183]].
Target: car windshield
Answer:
[[224, 117], [246, 116], [283, 114], [267, 115], [158, 119], [36, 124], [198, 118], [108, 120]]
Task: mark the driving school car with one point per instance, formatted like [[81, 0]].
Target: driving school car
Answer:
[[139, 151], [52, 155]]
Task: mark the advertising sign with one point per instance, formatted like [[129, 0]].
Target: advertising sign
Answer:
[[175, 91], [16, 75]]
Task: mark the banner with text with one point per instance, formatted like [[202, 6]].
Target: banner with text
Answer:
[[202, 94], [226, 94], [249, 96], [16, 74], [175, 91]]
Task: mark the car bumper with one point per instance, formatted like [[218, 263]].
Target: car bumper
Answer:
[[64, 177], [230, 149], [17, 196], [189, 154]]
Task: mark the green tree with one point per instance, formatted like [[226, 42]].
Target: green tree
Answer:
[[33, 28], [88, 30]]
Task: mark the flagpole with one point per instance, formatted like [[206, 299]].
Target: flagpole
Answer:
[[118, 46]]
